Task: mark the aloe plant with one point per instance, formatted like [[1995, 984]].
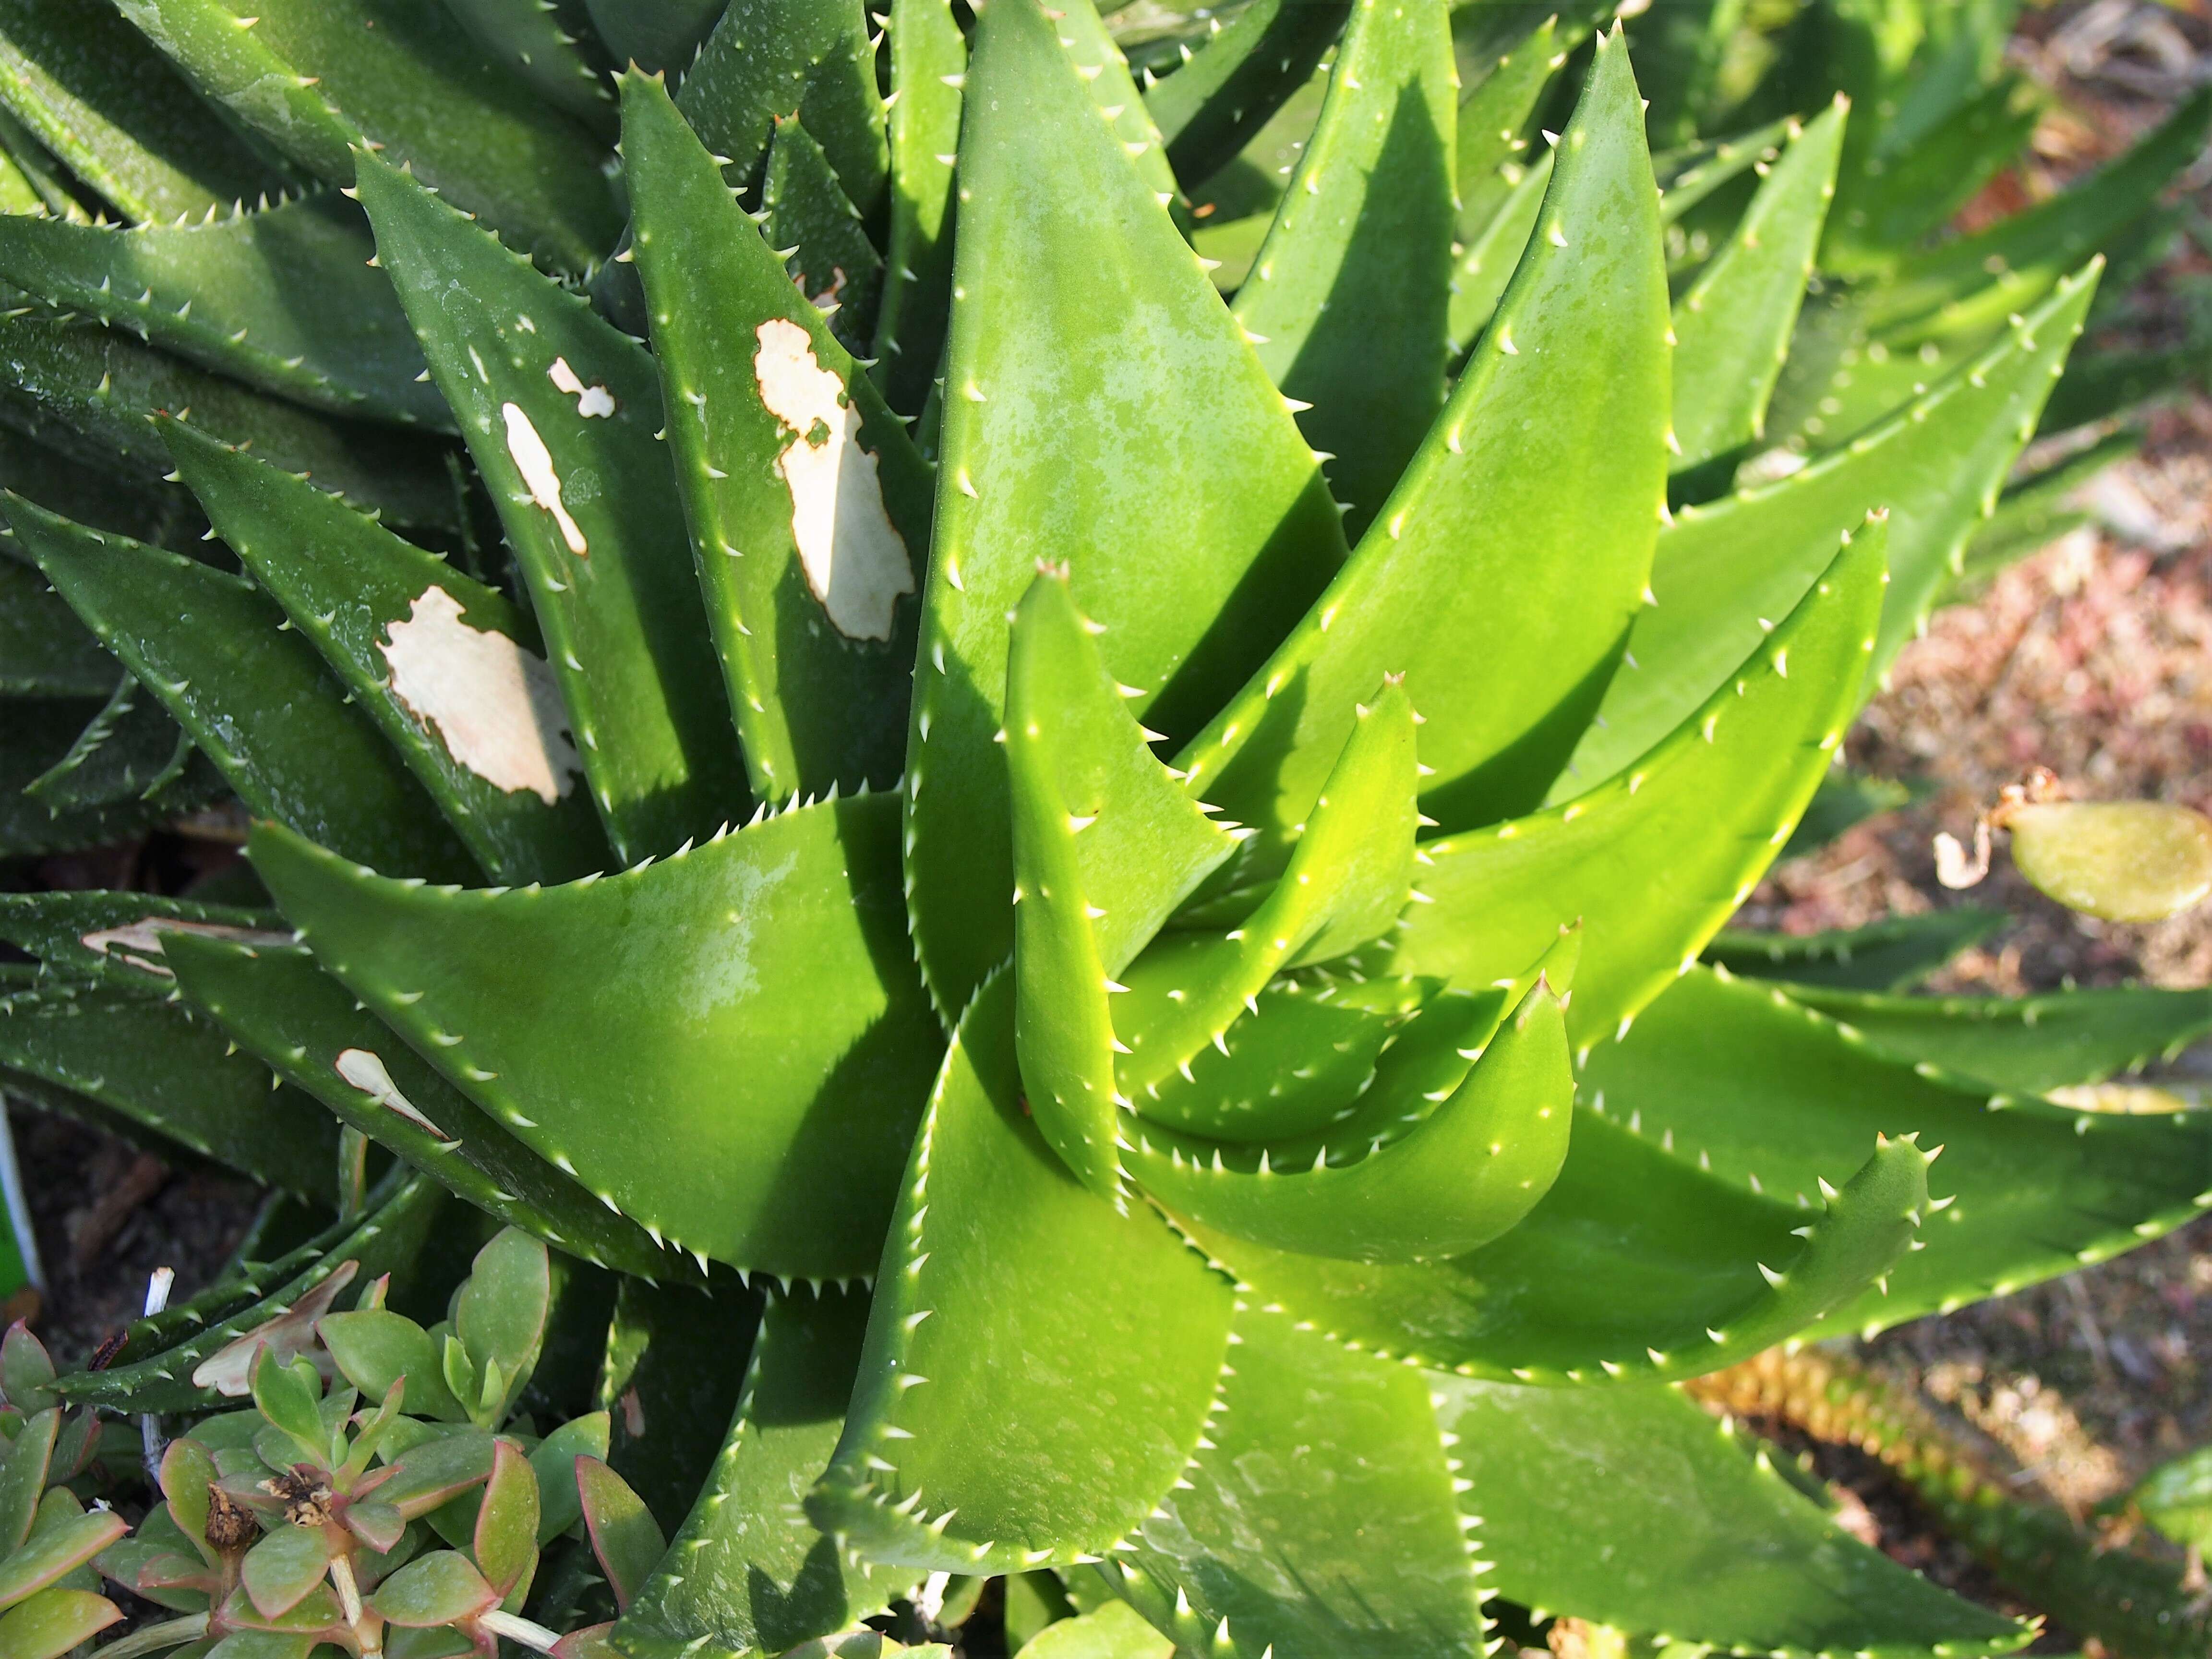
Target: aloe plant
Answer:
[[1159, 865]]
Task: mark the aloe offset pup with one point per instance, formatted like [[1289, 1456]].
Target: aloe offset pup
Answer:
[[1212, 1005]]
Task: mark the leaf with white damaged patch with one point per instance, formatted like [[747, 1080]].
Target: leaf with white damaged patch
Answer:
[[1655, 861], [276, 1003], [283, 298], [158, 1066], [1191, 515], [117, 938], [1368, 214], [440, 662], [391, 1237], [1319, 1515], [590, 504], [257, 700], [809, 508], [1038, 1366], [1725, 571], [1502, 598], [317, 78], [730, 1046]]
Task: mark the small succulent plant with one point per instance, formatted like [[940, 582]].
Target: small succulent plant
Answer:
[[1163, 850], [49, 1598]]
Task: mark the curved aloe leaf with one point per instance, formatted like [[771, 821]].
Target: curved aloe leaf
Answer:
[[1726, 570], [1891, 955], [1655, 861], [441, 663], [1488, 261], [1489, 161], [1038, 1366], [808, 553], [117, 939], [1347, 298], [1631, 1506], [1465, 1172], [37, 735], [389, 1238], [276, 1003], [1571, 375], [927, 55], [1091, 47], [752, 1000], [562, 419], [1634, 1265], [258, 702], [660, 34], [2030, 1044], [94, 93], [1319, 1514], [1227, 91], [1765, 1091], [1187, 465], [93, 393], [1732, 328], [748, 1571], [666, 1382], [158, 1066], [282, 299], [319, 78]]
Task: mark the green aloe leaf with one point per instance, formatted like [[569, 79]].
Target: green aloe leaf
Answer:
[[1038, 1366], [1725, 571], [830, 257], [667, 1384], [1655, 859], [1367, 221], [282, 299], [1488, 260], [2031, 1044], [259, 703], [388, 1238], [1681, 49], [1186, 465], [1732, 328], [928, 55], [560, 418], [1571, 375], [1319, 1514], [1631, 1506], [44, 650], [1947, 291], [1091, 47], [1891, 955], [441, 664], [132, 750], [319, 78], [1489, 157], [660, 34], [94, 93], [814, 58], [1225, 92], [93, 393], [544, 44], [1634, 1265], [117, 938], [1765, 1091], [277, 1004], [155, 1063], [809, 549], [752, 1000], [1102, 836], [1468, 1171], [1693, 173], [748, 1570], [1882, 213]]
